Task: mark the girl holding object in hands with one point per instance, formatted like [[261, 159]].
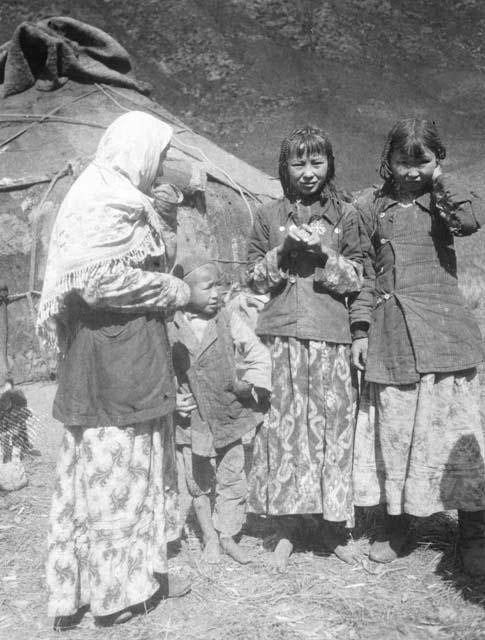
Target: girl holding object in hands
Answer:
[[304, 250]]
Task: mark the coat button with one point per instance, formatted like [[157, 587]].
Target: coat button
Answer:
[[282, 229], [384, 240], [382, 214]]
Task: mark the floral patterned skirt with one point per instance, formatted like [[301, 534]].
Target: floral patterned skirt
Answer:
[[302, 460], [420, 448], [113, 510]]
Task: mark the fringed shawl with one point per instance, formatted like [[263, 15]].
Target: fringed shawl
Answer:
[[107, 216]]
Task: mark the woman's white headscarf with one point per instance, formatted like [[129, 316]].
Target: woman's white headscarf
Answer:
[[107, 216]]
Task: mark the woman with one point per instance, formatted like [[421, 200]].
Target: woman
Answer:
[[114, 504], [305, 251]]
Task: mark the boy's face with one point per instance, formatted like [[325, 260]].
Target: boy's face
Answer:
[[204, 289]]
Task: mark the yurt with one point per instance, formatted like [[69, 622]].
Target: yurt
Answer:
[[63, 82]]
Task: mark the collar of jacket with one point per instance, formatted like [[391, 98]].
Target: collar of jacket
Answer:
[[424, 201], [188, 338], [327, 210]]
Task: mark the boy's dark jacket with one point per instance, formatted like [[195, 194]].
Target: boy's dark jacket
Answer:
[[208, 370]]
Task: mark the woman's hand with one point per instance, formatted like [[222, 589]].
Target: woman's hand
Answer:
[[185, 404], [359, 353]]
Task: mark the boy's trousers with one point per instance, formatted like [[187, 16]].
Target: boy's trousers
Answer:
[[197, 476]]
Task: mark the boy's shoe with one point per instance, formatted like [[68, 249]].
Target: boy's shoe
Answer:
[[232, 549], [471, 526], [389, 545]]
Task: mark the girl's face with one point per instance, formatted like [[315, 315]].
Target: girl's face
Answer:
[[307, 173], [411, 174]]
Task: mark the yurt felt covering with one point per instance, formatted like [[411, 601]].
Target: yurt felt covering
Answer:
[[47, 138]]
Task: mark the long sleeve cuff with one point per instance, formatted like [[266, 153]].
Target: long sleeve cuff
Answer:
[[341, 275], [359, 330], [265, 273]]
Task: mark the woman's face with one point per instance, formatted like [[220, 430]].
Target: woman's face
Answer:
[[413, 175], [307, 173]]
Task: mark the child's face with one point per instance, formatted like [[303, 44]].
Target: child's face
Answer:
[[204, 290], [413, 175], [307, 173]]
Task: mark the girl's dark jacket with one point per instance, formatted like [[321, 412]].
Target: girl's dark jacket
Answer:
[[419, 320], [309, 295]]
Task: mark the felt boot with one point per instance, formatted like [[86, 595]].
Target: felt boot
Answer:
[[471, 525], [388, 545]]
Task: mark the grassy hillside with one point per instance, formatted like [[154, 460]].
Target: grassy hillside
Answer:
[[245, 72]]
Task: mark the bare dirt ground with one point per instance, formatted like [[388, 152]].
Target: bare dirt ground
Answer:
[[423, 595]]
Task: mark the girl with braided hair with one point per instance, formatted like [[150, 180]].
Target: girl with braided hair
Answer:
[[304, 250], [419, 445]]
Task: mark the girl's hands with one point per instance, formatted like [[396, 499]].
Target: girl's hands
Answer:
[[359, 353], [314, 243], [303, 237], [293, 240]]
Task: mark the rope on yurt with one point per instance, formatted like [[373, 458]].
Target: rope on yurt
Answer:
[[46, 116], [29, 295], [19, 117], [190, 146], [65, 171]]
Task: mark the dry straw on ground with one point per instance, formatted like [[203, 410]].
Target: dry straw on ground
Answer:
[[423, 595]]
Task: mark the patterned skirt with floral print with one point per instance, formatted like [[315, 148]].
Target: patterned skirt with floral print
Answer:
[[302, 460], [419, 448], [113, 510]]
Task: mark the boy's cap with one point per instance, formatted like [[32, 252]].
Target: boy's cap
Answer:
[[190, 262]]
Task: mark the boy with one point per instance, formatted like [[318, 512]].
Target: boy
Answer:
[[215, 407]]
